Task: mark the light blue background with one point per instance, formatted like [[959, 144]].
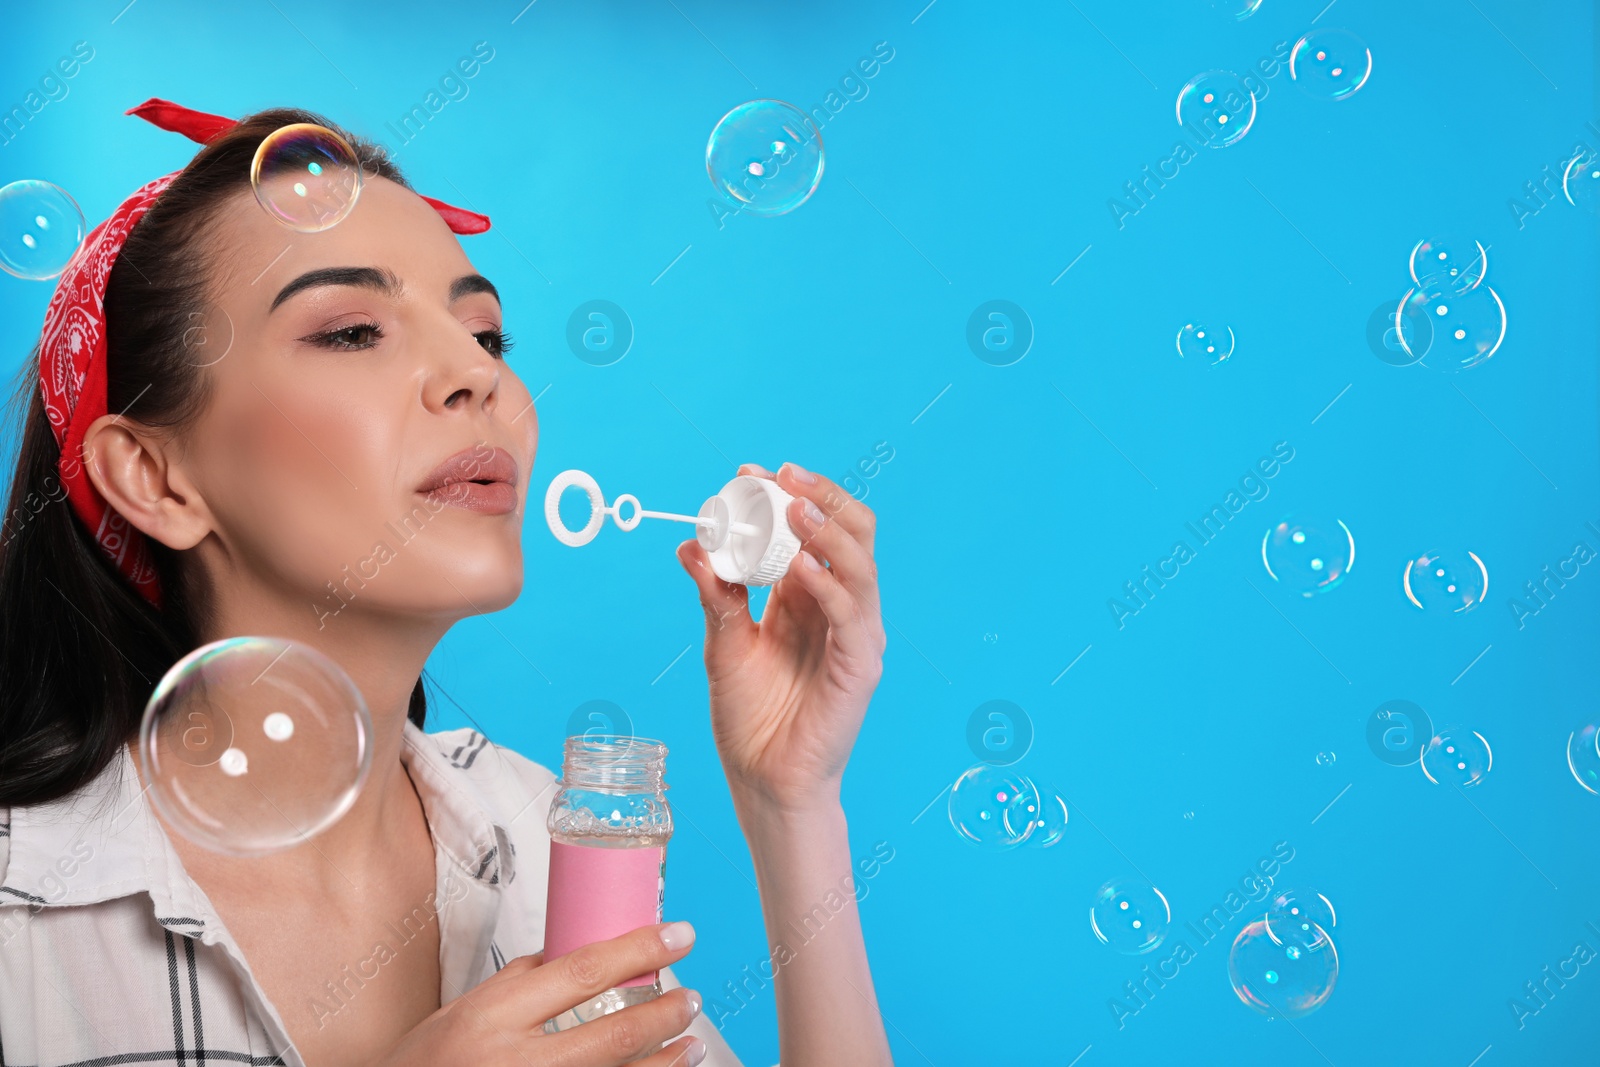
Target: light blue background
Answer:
[[977, 167]]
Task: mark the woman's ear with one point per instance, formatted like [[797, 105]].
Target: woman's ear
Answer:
[[139, 473]]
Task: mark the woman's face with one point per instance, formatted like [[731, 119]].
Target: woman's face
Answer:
[[361, 359]]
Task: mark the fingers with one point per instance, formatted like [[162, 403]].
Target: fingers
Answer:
[[851, 514], [594, 968], [623, 1036], [729, 628]]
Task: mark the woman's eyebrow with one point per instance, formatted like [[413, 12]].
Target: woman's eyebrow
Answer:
[[468, 284], [384, 281], [379, 279]]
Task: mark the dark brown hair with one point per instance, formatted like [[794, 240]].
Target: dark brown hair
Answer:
[[80, 649]]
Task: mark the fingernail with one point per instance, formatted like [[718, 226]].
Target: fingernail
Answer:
[[677, 935], [808, 561], [694, 1002], [758, 469], [696, 1051], [800, 474], [814, 515]]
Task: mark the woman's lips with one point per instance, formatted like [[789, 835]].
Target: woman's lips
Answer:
[[495, 498]]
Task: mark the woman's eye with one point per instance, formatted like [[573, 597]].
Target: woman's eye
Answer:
[[496, 342], [361, 335]]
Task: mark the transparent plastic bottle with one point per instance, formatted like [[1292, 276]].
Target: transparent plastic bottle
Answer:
[[609, 826]]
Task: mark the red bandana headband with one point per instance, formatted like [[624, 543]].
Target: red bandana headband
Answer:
[[72, 348]]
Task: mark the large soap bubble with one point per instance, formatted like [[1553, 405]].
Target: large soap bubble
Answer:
[[251, 745]]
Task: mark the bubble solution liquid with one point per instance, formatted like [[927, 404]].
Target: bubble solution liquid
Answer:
[[609, 826]]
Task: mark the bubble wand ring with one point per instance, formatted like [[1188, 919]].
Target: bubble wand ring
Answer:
[[742, 528]]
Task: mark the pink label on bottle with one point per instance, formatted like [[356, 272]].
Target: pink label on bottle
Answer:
[[600, 893]]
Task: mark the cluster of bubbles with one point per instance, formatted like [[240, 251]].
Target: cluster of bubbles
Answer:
[[305, 176], [1449, 319], [765, 157], [1285, 963], [252, 745], [1311, 555], [1402, 734], [997, 807], [1219, 106]]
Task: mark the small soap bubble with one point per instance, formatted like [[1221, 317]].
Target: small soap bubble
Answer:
[[1326, 759], [1277, 979], [765, 156], [1580, 182], [1310, 556], [1452, 583], [1467, 326], [1461, 262], [307, 177], [41, 227], [1457, 756], [994, 806], [1302, 918], [1583, 757], [253, 744], [1330, 64], [1205, 344], [1129, 915], [1217, 107]]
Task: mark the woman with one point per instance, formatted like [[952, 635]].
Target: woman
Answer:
[[168, 495]]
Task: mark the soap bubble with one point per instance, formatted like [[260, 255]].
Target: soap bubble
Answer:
[[41, 227], [1309, 557], [994, 807], [1217, 107], [1330, 64], [1237, 10], [306, 176], [1467, 326], [1276, 979], [1462, 261], [1205, 344], [1301, 917], [1398, 732], [1051, 824], [1130, 916], [1327, 759], [1580, 182], [1458, 756], [1441, 584], [765, 156], [1583, 757], [253, 744]]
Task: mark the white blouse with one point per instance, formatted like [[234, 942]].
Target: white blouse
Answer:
[[111, 954]]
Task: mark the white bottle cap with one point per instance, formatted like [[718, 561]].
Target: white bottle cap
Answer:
[[744, 528], [749, 540]]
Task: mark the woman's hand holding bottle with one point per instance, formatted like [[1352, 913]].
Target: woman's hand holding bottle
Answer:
[[499, 1023]]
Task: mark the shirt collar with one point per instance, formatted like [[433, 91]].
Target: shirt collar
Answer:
[[103, 841]]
